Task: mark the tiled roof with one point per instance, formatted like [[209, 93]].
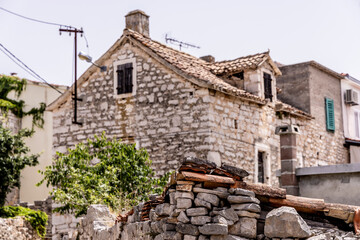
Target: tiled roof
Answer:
[[239, 64], [202, 70], [283, 107]]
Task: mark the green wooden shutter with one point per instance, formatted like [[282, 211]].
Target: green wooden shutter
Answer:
[[330, 116]]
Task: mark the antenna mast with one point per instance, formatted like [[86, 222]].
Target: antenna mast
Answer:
[[179, 43]]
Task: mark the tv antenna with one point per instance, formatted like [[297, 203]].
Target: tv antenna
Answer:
[[179, 43]]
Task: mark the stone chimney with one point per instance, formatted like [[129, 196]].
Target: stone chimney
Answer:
[[138, 21], [288, 179], [208, 58]]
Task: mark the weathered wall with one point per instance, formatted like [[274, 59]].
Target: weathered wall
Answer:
[[168, 115], [16, 229], [335, 184], [295, 86]]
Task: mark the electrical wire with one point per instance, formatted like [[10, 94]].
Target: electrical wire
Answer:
[[35, 20], [27, 69]]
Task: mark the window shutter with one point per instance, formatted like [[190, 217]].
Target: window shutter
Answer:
[[267, 86], [330, 116], [357, 127], [128, 78], [120, 79]]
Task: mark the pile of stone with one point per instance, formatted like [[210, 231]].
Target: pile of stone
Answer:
[[195, 212], [203, 202]]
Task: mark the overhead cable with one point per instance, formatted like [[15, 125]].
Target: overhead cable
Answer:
[[35, 20], [25, 67]]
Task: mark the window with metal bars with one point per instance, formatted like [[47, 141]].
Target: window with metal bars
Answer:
[[330, 115], [124, 78], [267, 86]]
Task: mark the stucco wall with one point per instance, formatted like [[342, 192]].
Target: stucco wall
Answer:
[[40, 142], [334, 184]]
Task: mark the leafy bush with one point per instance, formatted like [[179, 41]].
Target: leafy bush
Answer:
[[13, 158], [102, 171], [37, 219]]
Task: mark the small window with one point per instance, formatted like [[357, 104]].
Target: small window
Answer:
[[261, 172], [124, 78], [267, 86], [330, 115]]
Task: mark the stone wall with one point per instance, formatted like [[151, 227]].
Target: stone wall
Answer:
[[17, 229], [59, 227]]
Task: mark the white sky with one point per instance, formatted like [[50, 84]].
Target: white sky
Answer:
[[327, 31]]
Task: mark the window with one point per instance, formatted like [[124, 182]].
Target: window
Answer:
[[357, 124], [262, 165], [330, 116], [267, 86], [261, 175], [124, 78]]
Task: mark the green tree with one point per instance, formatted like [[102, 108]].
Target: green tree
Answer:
[[14, 84], [13, 158], [102, 171]]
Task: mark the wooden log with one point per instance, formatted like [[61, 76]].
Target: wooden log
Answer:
[[261, 189], [341, 211], [301, 204], [357, 221], [198, 177]]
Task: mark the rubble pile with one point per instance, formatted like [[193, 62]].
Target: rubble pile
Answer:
[[204, 202]]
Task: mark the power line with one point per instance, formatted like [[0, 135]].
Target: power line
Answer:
[[32, 72], [35, 20]]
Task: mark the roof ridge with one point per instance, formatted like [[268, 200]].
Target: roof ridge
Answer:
[[248, 56], [164, 45]]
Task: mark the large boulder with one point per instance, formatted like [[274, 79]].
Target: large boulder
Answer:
[[285, 222]]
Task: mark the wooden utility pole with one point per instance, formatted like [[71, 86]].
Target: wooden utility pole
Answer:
[[75, 97]]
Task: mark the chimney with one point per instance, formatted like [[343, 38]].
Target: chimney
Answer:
[[288, 179], [138, 21], [208, 58]]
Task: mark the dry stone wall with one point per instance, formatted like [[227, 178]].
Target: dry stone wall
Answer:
[[17, 229]]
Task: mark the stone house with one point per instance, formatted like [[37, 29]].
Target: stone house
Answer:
[[175, 105]]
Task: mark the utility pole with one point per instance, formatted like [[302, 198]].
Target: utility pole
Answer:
[[75, 98]]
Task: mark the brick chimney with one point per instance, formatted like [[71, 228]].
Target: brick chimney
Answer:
[[138, 21], [288, 179]]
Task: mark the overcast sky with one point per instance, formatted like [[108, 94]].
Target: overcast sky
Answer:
[[327, 31]]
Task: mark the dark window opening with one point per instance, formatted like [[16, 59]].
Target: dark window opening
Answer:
[[239, 75], [261, 178], [267, 86], [124, 78], [235, 124]]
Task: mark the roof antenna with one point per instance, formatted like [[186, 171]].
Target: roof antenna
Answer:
[[179, 43]]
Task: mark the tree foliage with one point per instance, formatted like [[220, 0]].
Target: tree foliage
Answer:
[[14, 84], [13, 158], [102, 171]]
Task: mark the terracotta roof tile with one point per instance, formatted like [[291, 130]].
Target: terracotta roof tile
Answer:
[[200, 69]]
